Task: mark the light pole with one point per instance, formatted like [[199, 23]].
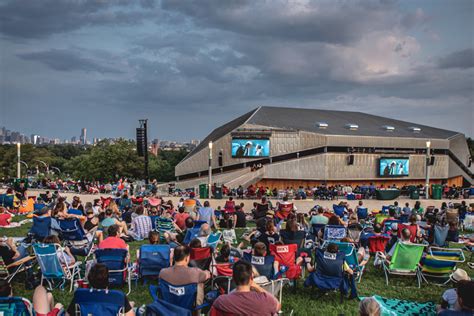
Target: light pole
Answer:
[[427, 184], [18, 167], [26, 165], [210, 169]]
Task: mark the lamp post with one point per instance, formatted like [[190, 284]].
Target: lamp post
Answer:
[[427, 184], [210, 169], [18, 167], [26, 166]]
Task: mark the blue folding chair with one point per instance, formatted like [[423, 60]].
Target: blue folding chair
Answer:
[[191, 233], [15, 306], [404, 218], [160, 307], [38, 206], [41, 227], [316, 228], [334, 232], [178, 295], [52, 270], [8, 200], [198, 224], [2, 198], [153, 221], [263, 265], [99, 302], [385, 209], [75, 237], [338, 210], [117, 263], [73, 211], [152, 259], [362, 213]]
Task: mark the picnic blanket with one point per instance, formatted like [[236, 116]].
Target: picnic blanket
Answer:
[[394, 307]]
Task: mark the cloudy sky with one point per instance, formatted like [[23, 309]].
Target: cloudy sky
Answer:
[[189, 66]]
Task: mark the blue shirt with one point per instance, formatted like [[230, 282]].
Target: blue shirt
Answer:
[[205, 214]]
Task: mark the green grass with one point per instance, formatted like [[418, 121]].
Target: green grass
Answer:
[[301, 301]]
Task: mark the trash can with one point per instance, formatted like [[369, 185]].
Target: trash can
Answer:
[[414, 193], [218, 192], [203, 191], [436, 191]]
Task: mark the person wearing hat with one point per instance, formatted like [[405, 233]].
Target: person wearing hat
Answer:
[[450, 297]]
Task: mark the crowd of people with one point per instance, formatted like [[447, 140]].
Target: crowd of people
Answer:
[[285, 245]]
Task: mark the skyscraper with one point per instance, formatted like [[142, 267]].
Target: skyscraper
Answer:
[[83, 138]]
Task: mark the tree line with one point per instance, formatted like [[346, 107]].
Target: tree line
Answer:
[[106, 161]]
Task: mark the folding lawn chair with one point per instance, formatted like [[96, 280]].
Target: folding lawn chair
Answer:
[[160, 307], [191, 233], [354, 231], [15, 306], [8, 272], [222, 277], [73, 211], [116, 261], [283, 210], [351, 257], [380, 217], [377, 244], [338, 210], [99, 302], [440, 263], [41, 228], [387, 225], [52, 270], [74, 236], [362, 213], [190, 206], [152, 259], [201, 257], [293, 238], [8, 201], [178, 295], [411, 228], [286, 256], [385, 209], [164, 225], [263, 265], [213, 239], [334, 232], [405, 261], [229, 236]]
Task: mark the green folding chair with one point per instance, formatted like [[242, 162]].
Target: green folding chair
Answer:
[[380, 217], [405, 261]]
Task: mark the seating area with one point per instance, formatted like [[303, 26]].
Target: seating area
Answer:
[[299, 256]]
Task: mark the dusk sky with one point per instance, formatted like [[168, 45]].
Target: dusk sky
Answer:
[[190, 66]]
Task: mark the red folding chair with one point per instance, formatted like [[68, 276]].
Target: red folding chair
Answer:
[[286, 256], [378, 244], [229, 207], [284, 210], [201, 257], [412, 228], [222, 276]]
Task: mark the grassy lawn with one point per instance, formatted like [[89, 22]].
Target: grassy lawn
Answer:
[[302, 300]]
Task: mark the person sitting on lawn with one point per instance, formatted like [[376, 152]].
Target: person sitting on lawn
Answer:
[[450, 297], [404, 238], [66, 258], [369, 307], [43, 302], [465, 300], [110, 220], [181, 274], [113, 241], [141, 224], [98, 278], [248, 298]]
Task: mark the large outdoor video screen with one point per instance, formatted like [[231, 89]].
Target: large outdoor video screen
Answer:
[[394, 167], [250, 148]]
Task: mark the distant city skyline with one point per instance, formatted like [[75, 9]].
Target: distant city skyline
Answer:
[[190, 66]]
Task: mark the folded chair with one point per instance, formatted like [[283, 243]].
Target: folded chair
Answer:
[[201, 257], [178, 295], [354, 231], [116, 261], [74, 236], [263, 265], [440, 263], [99, 302], [52, 270], [15, 306], [152, 259], [351, 259], [405, 261], [377, 244]]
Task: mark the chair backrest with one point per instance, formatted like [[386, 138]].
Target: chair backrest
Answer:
[[264, 265], [161, 307], [362, 213], [316, 228], [229, 235], [198, 224], [74, 211], [380, 217], [38, 206], [412, 228], [213, 239], [387, 225], [441, 261], [163, 225], [180, 295], [440, 235], [115, 260], [334, 232], [201, 257], [191, 233], [385, 209], [378, 243], [15, 306], [286, 256], [99, 302], [329, 264], [338, 210], [406, 257], [284, 209], [48, 260], [153, 258], [223, 269], [8, 200], [41, 227], [293, 238], [71, 229], [229, 206]]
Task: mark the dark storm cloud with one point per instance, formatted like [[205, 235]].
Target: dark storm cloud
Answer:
[[67, 60], [459, 59], [37, 19]]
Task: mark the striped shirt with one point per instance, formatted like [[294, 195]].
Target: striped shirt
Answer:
[[141, 226]]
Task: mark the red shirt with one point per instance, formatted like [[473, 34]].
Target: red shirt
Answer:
[[113, 243], [5, 219], [180, 219]]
